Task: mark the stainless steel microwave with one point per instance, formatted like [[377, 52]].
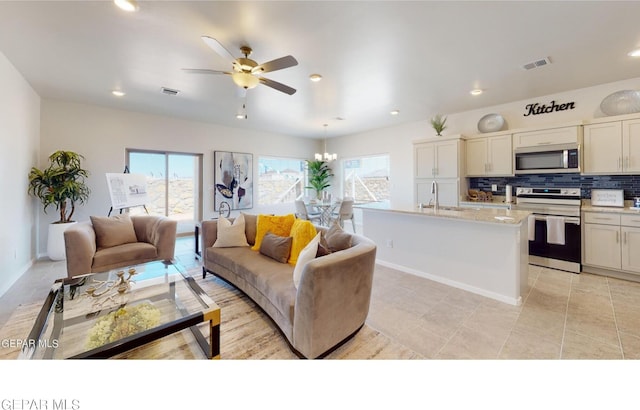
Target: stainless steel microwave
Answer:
[[548, 159]]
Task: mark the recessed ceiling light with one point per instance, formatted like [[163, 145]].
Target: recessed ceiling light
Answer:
[[476, 91], [127, 5], [634, 53], [315, 77], [394, 112], [118, 93]]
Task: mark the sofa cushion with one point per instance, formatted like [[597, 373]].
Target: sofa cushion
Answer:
[[302, 232], [277, 224], [337, 238], [308, 253], [250, 225], [126, 254], [276, 247], [271, 278], [113, 231], [229, 234]]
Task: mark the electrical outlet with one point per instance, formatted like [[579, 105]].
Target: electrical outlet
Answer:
[[389, 243], [494, 187]]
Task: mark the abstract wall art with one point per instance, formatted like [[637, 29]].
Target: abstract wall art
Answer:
[[233, 179]]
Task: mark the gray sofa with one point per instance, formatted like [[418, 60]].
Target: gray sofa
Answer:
[[330, 304]]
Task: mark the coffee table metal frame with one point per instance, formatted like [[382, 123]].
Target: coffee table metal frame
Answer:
[[211, 347]]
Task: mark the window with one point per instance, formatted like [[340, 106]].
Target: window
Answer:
[[173, 184], [280, 180], [366, 179]]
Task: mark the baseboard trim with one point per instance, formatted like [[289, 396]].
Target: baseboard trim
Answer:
[[12, 280], [452, 283]]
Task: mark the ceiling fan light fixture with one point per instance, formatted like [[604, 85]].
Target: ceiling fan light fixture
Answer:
[[634, 53], [476, 91], [118, 93], [245, 80], [315, 77], [127, 5]]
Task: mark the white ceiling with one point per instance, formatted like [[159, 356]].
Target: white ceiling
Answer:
[[418, 57]]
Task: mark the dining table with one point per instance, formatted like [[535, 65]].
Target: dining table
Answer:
[[325, 209]]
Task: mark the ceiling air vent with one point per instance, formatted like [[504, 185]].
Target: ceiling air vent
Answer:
[[538, 63], [169, 91]]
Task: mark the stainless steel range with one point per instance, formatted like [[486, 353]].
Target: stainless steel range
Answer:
[[555, 237]]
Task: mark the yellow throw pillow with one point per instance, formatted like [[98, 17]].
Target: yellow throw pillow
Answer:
[[302, 233], [277, 224]]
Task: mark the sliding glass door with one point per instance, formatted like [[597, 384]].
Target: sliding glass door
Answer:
[[174, 185]]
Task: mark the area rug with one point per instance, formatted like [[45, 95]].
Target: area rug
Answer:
[[246, 332]]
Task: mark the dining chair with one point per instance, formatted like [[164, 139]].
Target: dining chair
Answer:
[[303, 213], [344, 212]]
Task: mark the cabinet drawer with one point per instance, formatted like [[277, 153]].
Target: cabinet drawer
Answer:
[[564, 135], [630, 220], [600, 218]]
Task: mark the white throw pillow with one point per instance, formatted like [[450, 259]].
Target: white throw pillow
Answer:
[[231, 235], [308, 253]]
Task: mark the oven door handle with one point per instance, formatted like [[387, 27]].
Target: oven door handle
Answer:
[[567, 219]]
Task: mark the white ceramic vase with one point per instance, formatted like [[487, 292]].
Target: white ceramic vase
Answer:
[[55, 241]]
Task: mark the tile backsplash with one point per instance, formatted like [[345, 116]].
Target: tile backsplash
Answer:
[[629, 183]]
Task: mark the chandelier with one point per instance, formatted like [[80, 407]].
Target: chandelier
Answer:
[[326, 156]]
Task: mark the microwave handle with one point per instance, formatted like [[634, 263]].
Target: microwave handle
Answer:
[[565, 158]]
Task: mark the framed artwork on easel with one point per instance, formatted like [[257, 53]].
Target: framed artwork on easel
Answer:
[[233, 179]]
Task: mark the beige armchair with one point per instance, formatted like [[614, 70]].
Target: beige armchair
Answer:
[[109, 243]]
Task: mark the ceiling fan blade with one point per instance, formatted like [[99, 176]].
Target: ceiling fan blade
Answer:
[[204, 71], [277, 64], [277, 86], [218, 48]]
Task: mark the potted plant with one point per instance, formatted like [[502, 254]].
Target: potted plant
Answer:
[[438, 124], [319, 176], [62, 184]]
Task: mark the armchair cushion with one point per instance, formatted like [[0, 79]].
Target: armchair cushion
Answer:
[[113, 231], [337, 239]]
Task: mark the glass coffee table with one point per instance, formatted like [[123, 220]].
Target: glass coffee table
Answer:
[[100, 315]]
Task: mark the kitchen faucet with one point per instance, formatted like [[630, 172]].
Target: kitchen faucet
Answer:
[[434, 191]]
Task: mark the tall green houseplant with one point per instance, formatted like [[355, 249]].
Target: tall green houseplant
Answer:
[[62, 184], [319, 176]]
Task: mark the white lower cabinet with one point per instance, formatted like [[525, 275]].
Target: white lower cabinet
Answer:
[[630, 249], [612, 241], [602, 246]]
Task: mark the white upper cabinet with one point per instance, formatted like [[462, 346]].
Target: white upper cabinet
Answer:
[[562, 135], [438, 159], [612, 147], [489, 156]]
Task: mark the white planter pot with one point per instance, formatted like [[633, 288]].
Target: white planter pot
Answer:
[[55, 241]]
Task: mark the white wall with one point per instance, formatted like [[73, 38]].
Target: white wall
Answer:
[[397, 141], [19, 145], [102, 134]]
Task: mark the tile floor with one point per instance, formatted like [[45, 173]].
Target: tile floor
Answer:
[[564, 315]]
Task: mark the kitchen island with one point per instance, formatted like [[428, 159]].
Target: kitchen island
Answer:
[[484, 251]]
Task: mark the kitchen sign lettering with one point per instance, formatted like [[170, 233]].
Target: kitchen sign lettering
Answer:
[[535, 109]]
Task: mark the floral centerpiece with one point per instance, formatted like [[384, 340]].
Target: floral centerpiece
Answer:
[[125, 321]]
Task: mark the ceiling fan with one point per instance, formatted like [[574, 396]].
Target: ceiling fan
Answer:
[[245, 70]]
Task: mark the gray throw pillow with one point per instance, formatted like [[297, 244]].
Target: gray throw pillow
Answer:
[[276, 247], [338, 239], [113, 231]]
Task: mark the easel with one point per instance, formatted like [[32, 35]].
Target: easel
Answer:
[[126, 171]]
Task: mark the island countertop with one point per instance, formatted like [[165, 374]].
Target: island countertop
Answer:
[[486, 215]]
